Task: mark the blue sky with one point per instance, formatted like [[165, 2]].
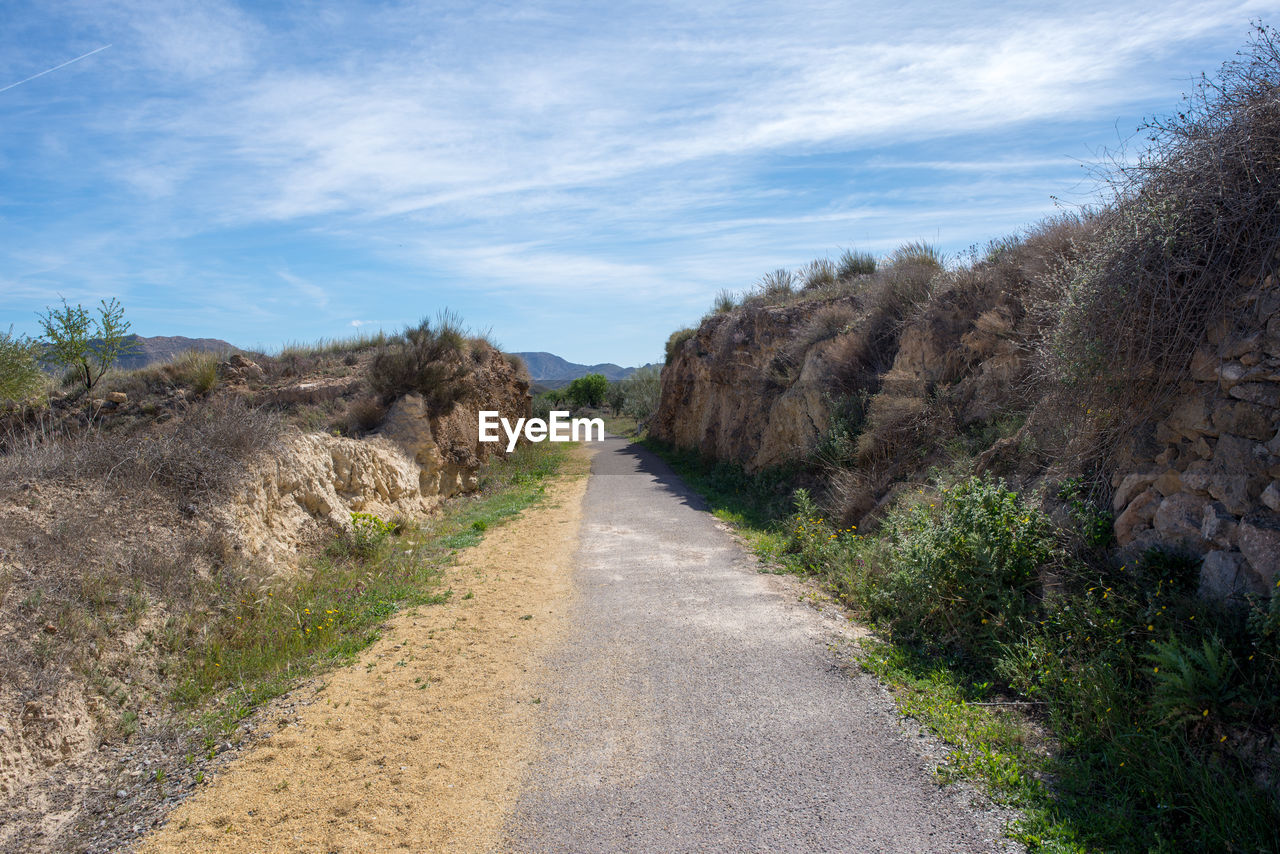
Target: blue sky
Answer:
[[575, 178]]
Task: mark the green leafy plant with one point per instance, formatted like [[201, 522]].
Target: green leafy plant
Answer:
[[87, 345], [638, 393], [1191, 682], [962, 568], [1096, 523], [368, 533], [20, 374], [589, 390]]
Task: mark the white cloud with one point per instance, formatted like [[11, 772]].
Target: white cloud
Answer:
[[391, 132]]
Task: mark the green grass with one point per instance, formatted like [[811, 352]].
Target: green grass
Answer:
[[623, 425], [263, 642]]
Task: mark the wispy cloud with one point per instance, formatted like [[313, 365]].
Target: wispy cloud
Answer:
[[315, 294]]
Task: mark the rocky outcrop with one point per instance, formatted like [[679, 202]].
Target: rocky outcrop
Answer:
[[722, 395], [757, 385], [1212, 485], [416, 460]]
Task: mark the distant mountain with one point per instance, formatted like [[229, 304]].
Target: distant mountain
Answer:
[[161, 348], [548, 369]]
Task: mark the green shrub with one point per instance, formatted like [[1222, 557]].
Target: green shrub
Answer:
[[963, 568], [638, 393], [196, 370], [852, 264], [724, 302], [1096, 523], [778, 286], [368, 533], [918, 252], [20, 374], [425, 360], [818, 274], [1191, 682]]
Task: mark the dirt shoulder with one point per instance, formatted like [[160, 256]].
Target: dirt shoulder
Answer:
[[421, 743]]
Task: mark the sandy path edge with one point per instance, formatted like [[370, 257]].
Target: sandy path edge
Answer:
[[381, 763]]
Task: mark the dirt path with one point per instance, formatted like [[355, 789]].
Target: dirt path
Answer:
[[420, 745]]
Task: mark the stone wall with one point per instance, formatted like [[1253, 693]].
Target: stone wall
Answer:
[[1213, 487]]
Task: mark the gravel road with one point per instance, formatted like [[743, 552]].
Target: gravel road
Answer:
[[696, 706]]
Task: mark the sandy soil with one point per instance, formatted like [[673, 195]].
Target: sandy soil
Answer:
[[421, 744]]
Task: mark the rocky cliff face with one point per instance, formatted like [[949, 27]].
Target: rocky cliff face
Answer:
[[1203, 474], [720, 396], [84, 544], [757, 385]]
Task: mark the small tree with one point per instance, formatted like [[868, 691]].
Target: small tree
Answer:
[[88, 345], [589, 390], [19, 370], [640, 392]]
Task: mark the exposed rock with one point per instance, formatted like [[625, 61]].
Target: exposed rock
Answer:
[[1130, 486], [1218, 525], [1178, 519], [1204, 366], [1235, 454], [1189, 419], [117, 397], [317, 481], [1198, 475], [1225, 575], [1259, 540], [238, 368], [734, 392], [1266, 394], [318, 391], [417, 460], [1241, 346], [1232, 490], [1231, 373], [1271, 496], [1243, 419], [1169, 482], [1136, 517]]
